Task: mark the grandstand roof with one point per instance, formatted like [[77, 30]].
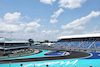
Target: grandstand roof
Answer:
[[6, 40], [16, 42], [79, 36]]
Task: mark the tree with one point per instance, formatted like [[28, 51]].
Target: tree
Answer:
[[46, 41]]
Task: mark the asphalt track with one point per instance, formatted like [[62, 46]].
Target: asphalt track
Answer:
[[73, 55]]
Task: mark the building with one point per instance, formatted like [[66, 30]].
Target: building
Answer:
[[8, 46], [90, 42]]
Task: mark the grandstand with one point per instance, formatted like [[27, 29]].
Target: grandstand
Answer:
[[9, 47], [85, 42]]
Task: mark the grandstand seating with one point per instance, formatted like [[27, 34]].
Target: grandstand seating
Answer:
[[78, 44]]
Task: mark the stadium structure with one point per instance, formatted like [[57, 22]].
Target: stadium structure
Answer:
[[82, 43], [8, 46], [67, 51]]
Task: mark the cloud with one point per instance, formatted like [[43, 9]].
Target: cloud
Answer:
[[96, 29], [53, 21], [20, 29], [49, 32], [8, 23], [71, 4], [66, 33], [10, 27], [47, 1], [33, 26], [26, 17], [57, 13], [77, 24], [12, 17], [91, 32]]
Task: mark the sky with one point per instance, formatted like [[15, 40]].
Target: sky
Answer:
[[48, 19]]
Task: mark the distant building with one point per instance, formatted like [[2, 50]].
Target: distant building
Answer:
[[9, 46]]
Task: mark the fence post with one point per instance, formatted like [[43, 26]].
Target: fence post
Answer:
[[90, 65], [34, 65], [47, 65], [21, 65], [10, 64], [75, 65], [60, 65]]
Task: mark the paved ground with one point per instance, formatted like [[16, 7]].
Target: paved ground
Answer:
[[73, 55]]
